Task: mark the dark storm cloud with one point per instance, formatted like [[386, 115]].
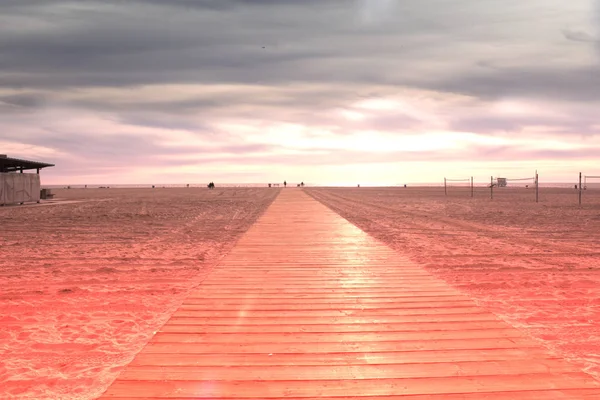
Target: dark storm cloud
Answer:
[[112, 44], [26, 100], [548, 82], [579, 36], [162, 121], [119, 147], [319, 157], [51, 51], [581, 124], [227, 4], [276, 99], [97, 144], [93, 43]]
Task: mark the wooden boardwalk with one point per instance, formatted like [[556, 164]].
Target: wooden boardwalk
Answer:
[[309, 306]]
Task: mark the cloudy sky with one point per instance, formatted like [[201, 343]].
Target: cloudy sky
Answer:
[[323, 91]]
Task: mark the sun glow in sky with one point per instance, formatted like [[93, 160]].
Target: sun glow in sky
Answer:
[[327, 92]]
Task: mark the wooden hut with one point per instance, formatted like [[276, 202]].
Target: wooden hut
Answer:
[[17, 186]]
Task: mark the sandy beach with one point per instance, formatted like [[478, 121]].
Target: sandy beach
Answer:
[[85, 282], [534, 265]]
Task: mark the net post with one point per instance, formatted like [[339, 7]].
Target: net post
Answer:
[[580, 188], [445, 189], [537, 188], [471, 186], [491, 187]]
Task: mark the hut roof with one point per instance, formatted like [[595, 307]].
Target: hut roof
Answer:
[[9, 164]]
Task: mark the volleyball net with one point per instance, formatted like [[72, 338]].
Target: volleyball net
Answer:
[[518, 182], [591, 178], [583, 185], [521, 181], [466, 185]]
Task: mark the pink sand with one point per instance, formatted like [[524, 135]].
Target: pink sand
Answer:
[[84, 285]]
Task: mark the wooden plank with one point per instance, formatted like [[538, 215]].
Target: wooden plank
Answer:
[[308, 337], [335, 372], [322, 265], [249, 312], [321, 270], [551, 394], [357, 358], [338, 347], [335, 287], [342, 320], [366, 387], [321, 274], [368, 264], [328, 328], [317, 275], [343, 285], [198, 295], [260, 306], [317, 302], [339, 291]]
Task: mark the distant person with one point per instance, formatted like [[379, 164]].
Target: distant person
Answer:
[[358, 185], [302, 184], [404, 185], [284, 184], [269, 185]]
